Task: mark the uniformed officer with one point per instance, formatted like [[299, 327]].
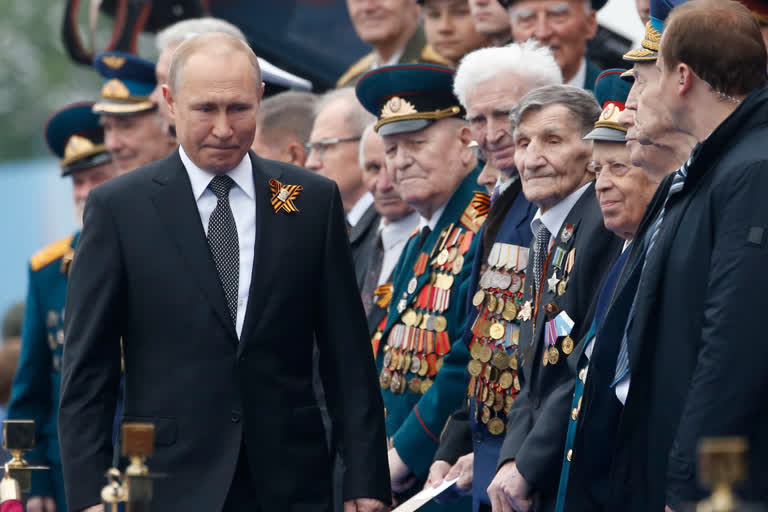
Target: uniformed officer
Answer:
[[623, 191], [135, 133], [419, 355], [74, 135], [393, 29]]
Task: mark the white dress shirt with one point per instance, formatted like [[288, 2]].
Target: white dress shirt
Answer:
[[242, 200], [580, 78], [432, 221], [554, 217], [394, 236], [361, 206]]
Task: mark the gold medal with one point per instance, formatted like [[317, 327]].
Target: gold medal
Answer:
[[440, 323], [485, 329], [475, 351], [485, 353], [517, 383], [490, 399], [414, 385], [478, 298], [485, 416], [403, 385], [442, 258], [497, 331], [510, 311], [561, 287], [545, 358], [405, 362], [496, 426], [554, 355], [490, 301], [448, 281], [501, 360], [508, 401], [500, 306], [475, 368], [458, 264], [506, 380], [498, 402], [513, 361], [425, 385], [452, 253], [424, 368], [567, 345]]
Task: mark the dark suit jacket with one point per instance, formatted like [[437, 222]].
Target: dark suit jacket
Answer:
[[698, 364], [144, 272], [362, 238], [538, 420]]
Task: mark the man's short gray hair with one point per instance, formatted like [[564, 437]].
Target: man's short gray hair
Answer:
[[181, 31], [580, 103], [532, 63], [367, 132], [586, 6], [357, 117], [287, 113]]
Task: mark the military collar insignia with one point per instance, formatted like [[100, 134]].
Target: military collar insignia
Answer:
[[283, 196]]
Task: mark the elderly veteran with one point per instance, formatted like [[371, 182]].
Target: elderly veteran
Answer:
[[623, 192], [421, 358], [563, 25], [73, 134], [571, 253], [134, 131], [488, 83]]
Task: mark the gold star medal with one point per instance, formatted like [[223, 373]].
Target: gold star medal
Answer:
[[283, 196]]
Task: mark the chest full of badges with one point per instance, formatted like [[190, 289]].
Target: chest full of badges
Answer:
[[493, 383]]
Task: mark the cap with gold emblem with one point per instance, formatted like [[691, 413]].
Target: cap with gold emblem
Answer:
[[76, 137], [129, 80], [649, 46], [408, 97], [611, 91]]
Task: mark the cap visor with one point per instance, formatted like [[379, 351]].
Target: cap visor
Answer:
[[607, 134], [405, 126]]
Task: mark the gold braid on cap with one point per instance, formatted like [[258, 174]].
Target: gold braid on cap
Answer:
[[398, 109]]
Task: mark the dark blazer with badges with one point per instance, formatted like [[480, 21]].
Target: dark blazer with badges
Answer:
[[415, 420], [35, 391], [144, 272], [538, 420], [362, 238], [698, 365]]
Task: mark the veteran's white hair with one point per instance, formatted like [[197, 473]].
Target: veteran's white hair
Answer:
[[532, 63]]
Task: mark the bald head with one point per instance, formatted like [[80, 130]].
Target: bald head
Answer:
[[215, 44]]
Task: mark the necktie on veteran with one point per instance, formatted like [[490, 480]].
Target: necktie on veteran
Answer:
[[542, 243], [622, 361], [223, 241], [423, 234]]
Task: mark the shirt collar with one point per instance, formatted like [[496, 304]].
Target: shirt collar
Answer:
[[580, 78], [242, 175], [394, 232], [432, 222], [554, 217], [503, 184], [361, 206]]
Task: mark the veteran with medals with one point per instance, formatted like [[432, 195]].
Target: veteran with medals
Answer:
[[420, 359], [488, 83], [73, 134], [623, 191], [568, 258]]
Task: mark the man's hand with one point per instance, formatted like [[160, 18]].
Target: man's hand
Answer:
[[437, 472], [364, 505], [509, 492], [399, 474], [463, 471], [41, 504], [94, 508]]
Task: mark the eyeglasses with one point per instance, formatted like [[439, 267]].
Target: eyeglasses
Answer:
[[616, 169], [321, 146]]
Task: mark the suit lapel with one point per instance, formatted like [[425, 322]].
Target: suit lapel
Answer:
[[363, 225], [177, 209]]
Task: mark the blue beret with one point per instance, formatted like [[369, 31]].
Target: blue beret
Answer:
[[128, 82]]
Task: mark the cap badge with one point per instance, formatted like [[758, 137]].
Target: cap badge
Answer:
[[113, 61], [396, 107], [115, 89]]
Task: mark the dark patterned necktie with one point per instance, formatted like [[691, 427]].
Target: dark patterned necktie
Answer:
[[223, 242], [542, 243]]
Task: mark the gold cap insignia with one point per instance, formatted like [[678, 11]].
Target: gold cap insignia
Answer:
[[397, 107], [116, 90], [649, 47], [79, 147], [609, 118], [113, 61]]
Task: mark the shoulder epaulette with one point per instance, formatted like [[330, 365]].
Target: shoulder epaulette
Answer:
[[51, 253], [356, 69], [474, 214], [428, 54]]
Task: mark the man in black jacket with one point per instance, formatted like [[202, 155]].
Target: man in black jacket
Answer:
[[691, 365]]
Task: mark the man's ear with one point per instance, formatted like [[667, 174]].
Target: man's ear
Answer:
[[296, 153], [686, 78], [168, 95]]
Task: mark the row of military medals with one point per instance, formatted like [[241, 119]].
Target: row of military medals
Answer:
[[493, 379], [417, 344], [559, 324]]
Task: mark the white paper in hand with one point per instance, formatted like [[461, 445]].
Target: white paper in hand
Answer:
[[424, 497]]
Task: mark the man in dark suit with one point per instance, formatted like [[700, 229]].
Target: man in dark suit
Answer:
[[693, 368], [219, 270], [570, 254]]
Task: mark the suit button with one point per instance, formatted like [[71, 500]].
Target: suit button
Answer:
[[236, 415]]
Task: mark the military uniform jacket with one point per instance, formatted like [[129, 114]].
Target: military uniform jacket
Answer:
[[697, 362], [416, 50], [419, 402], [581, 256], [35, 391]]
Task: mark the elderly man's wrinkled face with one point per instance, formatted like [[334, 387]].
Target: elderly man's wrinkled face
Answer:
[[450, 28], [428, 165], [491, 18], [622, 189], [386, 197], [135, 140], [380, 21], [563, 25], [551, 156], [488, 106], [652, 119], [215, 110]]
